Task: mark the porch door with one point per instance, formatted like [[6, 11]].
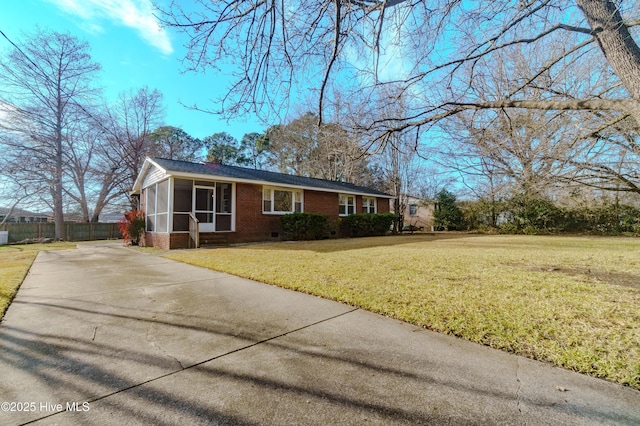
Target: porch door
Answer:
[[203, 207], [213, 207]]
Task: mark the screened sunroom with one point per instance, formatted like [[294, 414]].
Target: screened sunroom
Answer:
[[171, 202]]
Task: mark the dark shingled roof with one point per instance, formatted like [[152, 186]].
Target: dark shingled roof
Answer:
[[235, 172]]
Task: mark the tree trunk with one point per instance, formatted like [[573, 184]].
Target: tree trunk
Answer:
[[58, 209], [617, 45]]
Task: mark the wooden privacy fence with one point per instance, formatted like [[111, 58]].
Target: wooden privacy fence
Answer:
[[72, 231]]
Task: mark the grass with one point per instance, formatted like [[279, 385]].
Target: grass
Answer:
[[570, 301], [15, 261]]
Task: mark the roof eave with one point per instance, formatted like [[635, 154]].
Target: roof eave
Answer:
[[203, 176]]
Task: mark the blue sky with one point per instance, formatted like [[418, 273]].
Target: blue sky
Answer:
[[133, 51]]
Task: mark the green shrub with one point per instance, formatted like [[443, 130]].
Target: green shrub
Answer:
[[305, 226], [533, 214], [367, 224], [508, 228]]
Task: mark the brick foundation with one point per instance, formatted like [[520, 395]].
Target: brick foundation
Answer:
[[157, 239]]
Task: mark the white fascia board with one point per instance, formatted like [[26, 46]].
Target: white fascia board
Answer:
[[148, 162]]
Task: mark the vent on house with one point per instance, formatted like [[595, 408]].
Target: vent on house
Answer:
[[274, 235]]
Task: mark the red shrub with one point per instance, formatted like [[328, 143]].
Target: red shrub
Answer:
[[132, 227]]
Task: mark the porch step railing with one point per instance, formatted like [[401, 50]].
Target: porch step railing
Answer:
[[194, 231]]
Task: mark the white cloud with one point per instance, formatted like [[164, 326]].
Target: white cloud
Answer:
[[10, 119], [136, 14], [6, 111]]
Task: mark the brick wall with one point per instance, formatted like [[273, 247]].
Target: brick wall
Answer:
[[166, 241], [251, 223], [325, 203], [382, 205], [179, 241], [158, 240]]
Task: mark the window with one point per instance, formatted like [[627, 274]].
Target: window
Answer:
[[223, 207], [368, 205], [182, 204], [413, 209], [280, 200], [346, 204], [157, 206]]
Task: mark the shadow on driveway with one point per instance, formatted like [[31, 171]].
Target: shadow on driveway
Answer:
[[153, 341]]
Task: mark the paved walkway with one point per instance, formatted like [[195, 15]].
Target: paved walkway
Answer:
[[106, 335]]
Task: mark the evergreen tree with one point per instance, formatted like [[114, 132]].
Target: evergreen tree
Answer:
[[447, 216]]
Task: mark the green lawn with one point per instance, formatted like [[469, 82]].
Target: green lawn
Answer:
[[570, 301], [15, 261]]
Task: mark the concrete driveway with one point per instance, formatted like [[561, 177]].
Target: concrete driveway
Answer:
[[107, 335]]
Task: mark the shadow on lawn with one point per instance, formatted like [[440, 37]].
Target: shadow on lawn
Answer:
[[346, 244], [623, 279]]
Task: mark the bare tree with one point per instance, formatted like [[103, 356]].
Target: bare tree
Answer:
[[617, 149], [79, 156], [96, 181], [47, 81], [403, 169], [328, 151], [14, 191], [399, 174], [535, 150], [532, 150], [439, 45], [128, 124]]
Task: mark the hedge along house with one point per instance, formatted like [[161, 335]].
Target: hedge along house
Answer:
[[187, 204]]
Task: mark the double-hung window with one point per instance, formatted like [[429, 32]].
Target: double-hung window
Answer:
[[368, 205], [281, 200], [346, 204]]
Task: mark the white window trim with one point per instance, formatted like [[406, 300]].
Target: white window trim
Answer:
[[293, 199], [373, 201], [346, 196]]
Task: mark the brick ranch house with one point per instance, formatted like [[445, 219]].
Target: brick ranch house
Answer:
[[187, 204]]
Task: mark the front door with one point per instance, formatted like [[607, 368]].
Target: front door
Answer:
[[213, 207], [203, 207]]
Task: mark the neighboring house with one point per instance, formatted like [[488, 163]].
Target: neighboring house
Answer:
[[110, 217], [236, 204], [22, 216], [418, 215]]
